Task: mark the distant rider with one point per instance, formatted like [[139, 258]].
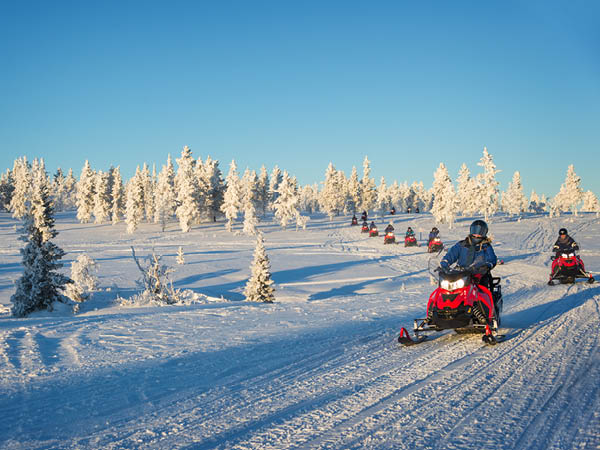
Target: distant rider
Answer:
[[564, 243], [433, 234], [372, 225], [389, 228], [364, 216], [410, 232], [474, 251]]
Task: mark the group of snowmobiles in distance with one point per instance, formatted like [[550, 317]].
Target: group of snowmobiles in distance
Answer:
[[434, 244], [468, 299]]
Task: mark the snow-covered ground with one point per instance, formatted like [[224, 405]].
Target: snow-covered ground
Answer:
[[320, 368]]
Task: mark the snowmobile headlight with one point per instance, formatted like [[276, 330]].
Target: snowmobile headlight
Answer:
[[565, 255], [436, 239], [445, 284], [453, 285], [571, 255]]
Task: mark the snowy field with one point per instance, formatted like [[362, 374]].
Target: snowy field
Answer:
[[320, 368]]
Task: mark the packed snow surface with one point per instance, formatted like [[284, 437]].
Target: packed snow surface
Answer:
[[320, 367]]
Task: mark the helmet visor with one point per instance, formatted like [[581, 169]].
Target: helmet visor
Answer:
[[478, 229]]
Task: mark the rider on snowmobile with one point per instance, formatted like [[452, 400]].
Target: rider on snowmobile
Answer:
[[372, 225], [410, 232], [389, 228], [564, 243], [474, 251], [433, 233]]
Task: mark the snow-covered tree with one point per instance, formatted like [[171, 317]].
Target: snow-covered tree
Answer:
[[85, 280], [263, 191], [180, 256], [466, 191], [276, 179], [259, 287], [70, 190], [570, 194], [332, 196], [19, 204], [117, 208], [57, 190], [250, 220], [187, 190], [232, 201], [7, 187], [514, 201], [85, 193], [353, 192], [487, 185], [286, 203], [164, 195], [134, 206], [445, 204], [368, 194], [309, 198], [148, 182], [536, 205], [383, 202], [102, 196], [40, 285], [215, 188], [591, 203]]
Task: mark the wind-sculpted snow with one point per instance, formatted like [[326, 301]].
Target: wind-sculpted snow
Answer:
[[320, 367]]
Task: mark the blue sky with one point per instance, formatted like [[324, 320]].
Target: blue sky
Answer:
[[299, 84]]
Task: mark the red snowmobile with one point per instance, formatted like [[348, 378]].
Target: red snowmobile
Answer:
[[435, 245], [373, 232], [389, 238], [460, 303], [566, 267], [410, 241], [354, 221], [365, 228]]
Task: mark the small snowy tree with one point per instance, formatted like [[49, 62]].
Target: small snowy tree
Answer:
[[514, 201], [353, 194], [332, 197], [276, 179], [286, 204], [591, 203], [117, 209], [233, 196], [263, 190], [445, 204], [40, 285], [250, 220], [134, 207], [259, 287], [487, 185], [367, 188], [570, 194], [215, 188], [466, 192], [148, 182], [85, 280], [383, 200], [180, 256], [309, 198], [70, 190], [186, 186], [164, 195], [19, 204], [101, 197], [155, 281], [85, 193], [7, 187]]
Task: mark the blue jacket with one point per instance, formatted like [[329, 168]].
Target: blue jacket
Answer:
[[483, 253], [433, 234]]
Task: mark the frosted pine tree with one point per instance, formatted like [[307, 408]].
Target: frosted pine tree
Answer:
[[466, 192], [570, 194], [276, 179], [259, 287], [7, 187], [134, 206], [70, 190], [331, 199], [215, 188], [85, 280], [250, 220], [367, 188], [535, 203], [591, 203], [383, 199], [180, 259], [19, 204], [286, 204], [148, 182], [445, 204], [102, 204], [117, 195], [187, 190], [263, 191], [164, 195], [309, 198], [40, 284], [487, 186], [57, 190], [353, 192], [514, 201], [232, 201], [85, 193]]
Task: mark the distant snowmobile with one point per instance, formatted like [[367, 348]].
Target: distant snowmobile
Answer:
[[410, 241], [364, 228], [567, 267], [373, 232], [435, 245], [389, 238], [354, 221], [462, 304]]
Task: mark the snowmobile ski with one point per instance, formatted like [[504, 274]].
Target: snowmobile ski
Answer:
[[405, 339]]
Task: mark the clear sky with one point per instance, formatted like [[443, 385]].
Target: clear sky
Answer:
[[302, 83]]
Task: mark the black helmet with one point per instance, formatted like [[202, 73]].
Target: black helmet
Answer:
[[563, 232], [434, 229], [479, 227]]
